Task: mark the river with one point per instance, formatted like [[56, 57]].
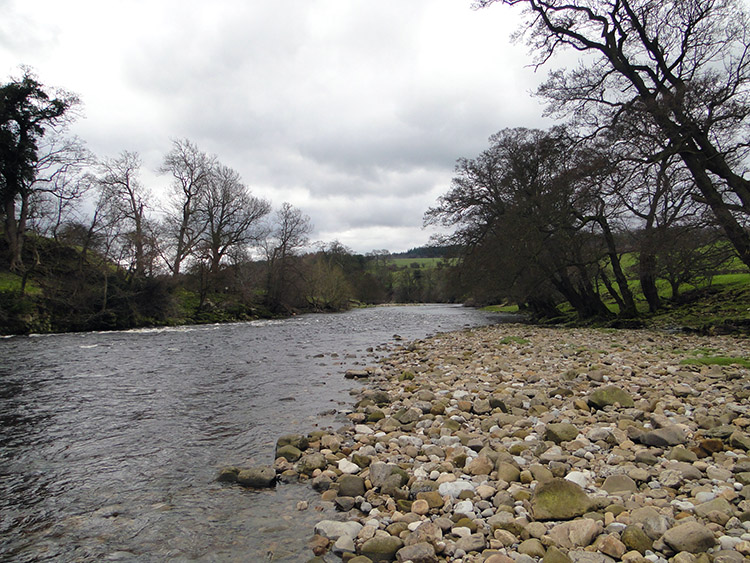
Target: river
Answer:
[[110, 443]]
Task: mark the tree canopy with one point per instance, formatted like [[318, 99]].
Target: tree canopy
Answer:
[[27, 111], [679, 70]]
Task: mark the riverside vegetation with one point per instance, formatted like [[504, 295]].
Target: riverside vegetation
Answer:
[[520, 443]]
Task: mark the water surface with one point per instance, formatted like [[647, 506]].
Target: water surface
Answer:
[[110, 442]]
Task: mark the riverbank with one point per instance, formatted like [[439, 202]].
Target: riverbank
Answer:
[[520, 443]]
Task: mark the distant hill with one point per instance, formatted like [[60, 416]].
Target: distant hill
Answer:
[[428, 252]]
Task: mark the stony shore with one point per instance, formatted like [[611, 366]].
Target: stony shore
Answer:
[[520, 443]]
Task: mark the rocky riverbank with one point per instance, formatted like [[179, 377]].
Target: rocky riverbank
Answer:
[[518, 443]]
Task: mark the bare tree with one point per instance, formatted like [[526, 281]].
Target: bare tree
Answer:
[[233, 217], [288, 236], [682, 67], [125, 202], [60, 184], [185, 223]]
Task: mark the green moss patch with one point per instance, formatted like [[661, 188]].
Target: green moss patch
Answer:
[[716, 361], [514, 340]]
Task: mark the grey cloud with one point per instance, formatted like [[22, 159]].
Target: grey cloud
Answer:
[[353, 111]]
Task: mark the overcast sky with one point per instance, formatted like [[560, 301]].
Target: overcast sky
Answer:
[[354, 111]]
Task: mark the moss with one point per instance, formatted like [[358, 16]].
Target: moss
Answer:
[[514, 340], [406, 375], [716, 361]]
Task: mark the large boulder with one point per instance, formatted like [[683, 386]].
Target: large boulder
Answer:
[[381, 548], [690, 536], [558, 499], [559, 432], [610, 395], [260, 477], [663, 437]]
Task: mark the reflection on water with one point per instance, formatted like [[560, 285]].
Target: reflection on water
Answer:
[[110, 442]]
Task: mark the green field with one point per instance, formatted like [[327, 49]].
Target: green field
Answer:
[[425, 263]]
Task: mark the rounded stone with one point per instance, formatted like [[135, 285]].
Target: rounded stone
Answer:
[[558, 499], [381, 548], [420, 506], [690, 536]]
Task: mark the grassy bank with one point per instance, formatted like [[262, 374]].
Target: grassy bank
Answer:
[[721, 307]]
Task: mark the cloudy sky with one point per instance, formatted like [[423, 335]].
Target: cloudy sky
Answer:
[[354, 111]]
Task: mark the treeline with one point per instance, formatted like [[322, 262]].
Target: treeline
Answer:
[[89, 246], [645, 181], [64, 289]]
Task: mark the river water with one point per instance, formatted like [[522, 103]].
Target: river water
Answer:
[[110, 443]]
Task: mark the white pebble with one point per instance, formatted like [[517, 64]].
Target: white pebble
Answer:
[[363, 429], [346, 466], [683, 505], [579, 478], [704, 496], [464, 507], [728, 542]]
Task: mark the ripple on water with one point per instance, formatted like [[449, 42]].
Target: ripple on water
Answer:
[[110, 442]]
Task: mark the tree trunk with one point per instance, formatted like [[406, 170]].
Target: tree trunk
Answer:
[[736, 233], [675, 288], [615, 295], [628, 309], [647, 278], [13, 236]]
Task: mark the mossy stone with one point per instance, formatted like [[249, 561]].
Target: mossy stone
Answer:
[[375, 416], [610, 395], [554, 555], [382, 548], [558, 499], [309, 463], [297, 440], [635, 539], [558, 432], [289, 452]]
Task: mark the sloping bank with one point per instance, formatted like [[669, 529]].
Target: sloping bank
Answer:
[[519, 443]]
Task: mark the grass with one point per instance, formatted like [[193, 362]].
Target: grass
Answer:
[[426, 263], [716, 361], [501, 308], [11, 283], [723, 305]]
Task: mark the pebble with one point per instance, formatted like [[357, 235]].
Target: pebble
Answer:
[[456, 461]]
